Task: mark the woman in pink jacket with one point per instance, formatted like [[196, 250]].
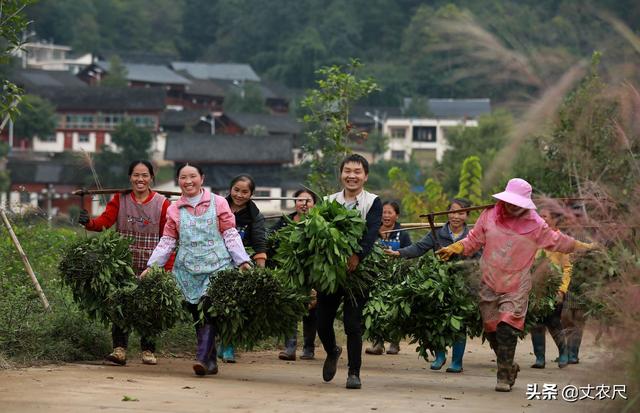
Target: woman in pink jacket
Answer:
[[510, 234], [203, 227]]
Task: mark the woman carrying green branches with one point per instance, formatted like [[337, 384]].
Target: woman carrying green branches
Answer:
[[453, 231], [390, 237], [250, 226], [203, 227], [139, 214], [305, 200]]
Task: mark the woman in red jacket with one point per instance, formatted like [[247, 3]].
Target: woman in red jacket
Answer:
[[139, 214]]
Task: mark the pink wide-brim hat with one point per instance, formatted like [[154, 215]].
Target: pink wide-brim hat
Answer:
[[518, 193]]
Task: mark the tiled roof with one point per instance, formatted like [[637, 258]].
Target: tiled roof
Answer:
[[221, 71]]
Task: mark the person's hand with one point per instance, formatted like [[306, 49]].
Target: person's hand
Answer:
[[447, 252], [559, 297], [314, 299], [144, 273], [260, 262], [391, 252], [585, 246], [353, 262], [245, 266], [83, 217]]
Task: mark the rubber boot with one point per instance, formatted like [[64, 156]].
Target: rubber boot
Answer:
[[228, 354], [309, 329], [457, 353], [441, 358], [394, 348], [289, 352], [206, 351], [573, 346], [538, 341], [377, 349], [506, 340]]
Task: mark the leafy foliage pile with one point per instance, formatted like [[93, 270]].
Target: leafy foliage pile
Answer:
[[313, 252], [96, 267], [432, 304], [253, 305], [593, 273], [546, 280], [151, 306]]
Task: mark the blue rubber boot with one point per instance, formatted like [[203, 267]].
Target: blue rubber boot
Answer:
[[228, 354], [441, 358], [457, 353], [539, 345], [219, 351]]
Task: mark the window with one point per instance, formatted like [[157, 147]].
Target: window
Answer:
[[25, 197], [83, 137], [397, 155], [424, 133], [143, 121], [398, 133], [48, 138], [77, 121]]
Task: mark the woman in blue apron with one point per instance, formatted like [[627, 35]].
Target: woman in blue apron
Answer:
[[203, 228], [392, 239]]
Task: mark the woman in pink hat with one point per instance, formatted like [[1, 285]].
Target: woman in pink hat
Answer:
[[510, 234]]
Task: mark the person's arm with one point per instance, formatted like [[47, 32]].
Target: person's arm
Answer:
[[108, 218], [163, 214], [374, 220], [230, 235], [552, 240], [259, 240], [419, 248], [164, 250], [476, 238], [567, 270]]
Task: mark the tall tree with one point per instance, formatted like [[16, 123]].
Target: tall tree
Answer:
[[117, 75], [37, 118]]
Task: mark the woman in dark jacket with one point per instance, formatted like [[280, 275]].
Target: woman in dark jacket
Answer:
[[250, 226], [454, 230], [304, 202], [393, 240]]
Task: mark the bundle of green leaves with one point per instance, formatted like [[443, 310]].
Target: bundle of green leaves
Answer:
[[546, 279], [94, 268], [150, 306], [432, 304], [591, 282], [253, 305], [313, 252]]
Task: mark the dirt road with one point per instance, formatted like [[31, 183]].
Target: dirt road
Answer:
[[261, 382]]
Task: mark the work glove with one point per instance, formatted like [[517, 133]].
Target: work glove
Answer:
[[453, 249], [83, 218], [585, 246]]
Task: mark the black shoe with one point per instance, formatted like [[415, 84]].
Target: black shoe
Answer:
[[353, 381], [331, 364]]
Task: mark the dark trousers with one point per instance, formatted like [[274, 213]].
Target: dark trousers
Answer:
[[196, 313], [120, 338], [352, 309], [554, 325], [309, 329]]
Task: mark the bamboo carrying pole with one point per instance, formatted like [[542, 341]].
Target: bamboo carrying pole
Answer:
[[25, 260], [82, 192]]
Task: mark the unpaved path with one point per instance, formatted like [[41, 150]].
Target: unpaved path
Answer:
[[261, 382]]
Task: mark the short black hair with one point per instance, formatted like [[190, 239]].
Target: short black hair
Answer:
[[144, 162], [198, 168], [244, 177], [394, 205], [463, 202], [356, 158], [306, 191]]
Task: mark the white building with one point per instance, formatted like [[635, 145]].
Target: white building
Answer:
[[424, 139]]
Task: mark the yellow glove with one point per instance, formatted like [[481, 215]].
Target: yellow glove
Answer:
[[446, 252], [584, 246]]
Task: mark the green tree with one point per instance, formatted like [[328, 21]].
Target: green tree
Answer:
[[247, 97], [132, 143], [37, 117], [483, 141], [471, 180], [327, 120], [117, 76]]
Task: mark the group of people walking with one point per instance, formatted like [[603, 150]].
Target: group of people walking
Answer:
[[202, 233]]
